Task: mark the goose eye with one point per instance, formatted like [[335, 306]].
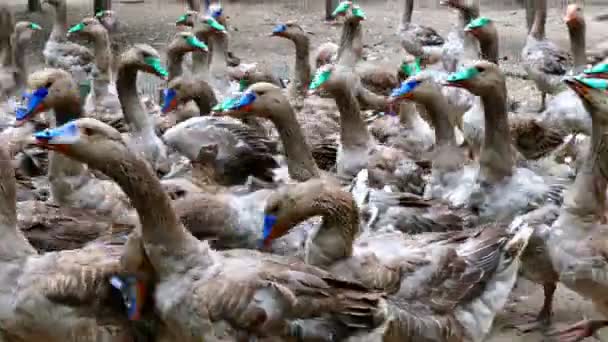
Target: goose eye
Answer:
[[88, 131], [48, 84], [480, 69]]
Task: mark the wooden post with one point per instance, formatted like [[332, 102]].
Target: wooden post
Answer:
[[102, 5], [330, 5], [34, 5]]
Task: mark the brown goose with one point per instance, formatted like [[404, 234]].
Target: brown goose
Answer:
[[544, 61], [424, 34], [61, 53], [58, 296], [433, 294], [253, 293]]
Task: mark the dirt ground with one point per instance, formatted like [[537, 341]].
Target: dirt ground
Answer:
[[152, 22]]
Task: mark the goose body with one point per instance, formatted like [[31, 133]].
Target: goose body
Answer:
[[256, 294]]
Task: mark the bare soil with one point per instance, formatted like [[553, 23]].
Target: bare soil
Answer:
[[152, 22]]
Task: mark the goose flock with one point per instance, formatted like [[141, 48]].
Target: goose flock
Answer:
[[354, 201]]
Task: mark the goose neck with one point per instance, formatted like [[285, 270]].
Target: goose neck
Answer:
[[60, 28], [578, 46], [488, 45], [351, 43], [334, 239], [408, 9], [302, 65], [169, 246], [134, 113], [353, 130], [587, 196], [174, 63], [496, 158], [540, 18], [300, 164], [438, 109], [13, 244]]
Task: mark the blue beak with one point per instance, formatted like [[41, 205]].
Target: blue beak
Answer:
[[279, 28], [34, 104], [243, 102], [269, 221], [404, 89], [169, 100], [62, 135], [133, 294]]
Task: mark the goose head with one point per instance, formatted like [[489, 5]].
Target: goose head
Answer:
[[290, 30], [574, 16], [260, 99], [108, 19], [482, 28], [481, 78], [349, 11], [143, 57], [187, 19], [592, 91], [210, 26], [179, 91], [49, 88], [292, 204], [410, 66], [329, 77], [25, 29], [184, 42], [419, 88], [88, 27], [598, 71], [216, 11], [85, 139]]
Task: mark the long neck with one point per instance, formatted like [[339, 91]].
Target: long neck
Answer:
[[587, 196], [351, 43], [60, 25], [438, 109], [578, 45], [19, 59], [134, 113], [300, 163], [496, 158], [218, 45], [103, 62], [465, 15], [353, 130], [408, 8], [64, 173], [540, 17], [334, 239], [204, 98], [489, 46], [200, 60], [302, 65], [174, 63], [168, 245], [13, 244], [530, 13], [194, 5]]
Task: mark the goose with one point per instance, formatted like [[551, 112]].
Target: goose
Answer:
[[59, 52], [427, 36], [487, 187], [71, 185], [255, 294], [429, 298], [544, 62], [48, 295], [572, 240]]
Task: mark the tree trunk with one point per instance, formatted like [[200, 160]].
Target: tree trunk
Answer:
[[34, 5], [330, 5], [101, 5]]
